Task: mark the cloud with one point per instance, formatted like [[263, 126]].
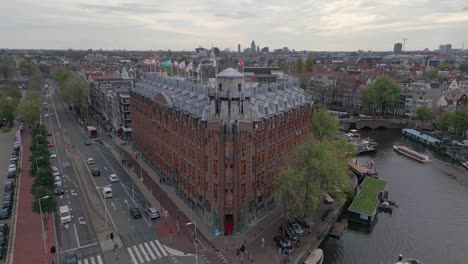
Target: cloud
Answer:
[[126, 8]]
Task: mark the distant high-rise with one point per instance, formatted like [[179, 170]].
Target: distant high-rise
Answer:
[[238, 48], [445, 49], [397, 48], [253, 47], [258, 48]]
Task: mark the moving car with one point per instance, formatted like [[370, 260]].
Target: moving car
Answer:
[[95, 172], [46, 115], [65, 216], [113, 178], [90, 161], [283, 244], [71, 259], [135, 213], [53, 156], [107, 192], [152, 212]]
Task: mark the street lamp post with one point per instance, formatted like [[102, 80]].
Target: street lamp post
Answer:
[[195, 239], [37, 166], [42, 224]]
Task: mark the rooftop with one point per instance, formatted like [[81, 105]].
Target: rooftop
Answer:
[[422, 135], [367, 201]]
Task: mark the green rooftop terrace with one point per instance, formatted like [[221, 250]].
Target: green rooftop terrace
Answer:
[[367, 199]]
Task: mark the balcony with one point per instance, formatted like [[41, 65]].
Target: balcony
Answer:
[[124, 109], [126, 117]]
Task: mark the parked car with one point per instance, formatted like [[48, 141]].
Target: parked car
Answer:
[[7, 204], [11, 167], [14, 157], [11, 174], [95, 172], [4, 229], [135, 213], [87, 142], [50, 144], [291, 234], [58, 190], [283, 244], [9, 186], [71, 259], [8, 197], [3, 239], [53, 156], [5, 213], [113, 178], [152, 212], [56, 173], [297, 228], [46, 115], [1, 252]]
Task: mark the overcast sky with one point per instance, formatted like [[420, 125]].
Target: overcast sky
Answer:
[[185, 24]]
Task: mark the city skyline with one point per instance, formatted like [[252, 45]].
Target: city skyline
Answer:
[[339, 25]]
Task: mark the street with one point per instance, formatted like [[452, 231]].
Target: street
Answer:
[[94, 217]]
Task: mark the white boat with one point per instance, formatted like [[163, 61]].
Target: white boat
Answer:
[[402, 260], [412, 154], [315, 257], [465, 164]]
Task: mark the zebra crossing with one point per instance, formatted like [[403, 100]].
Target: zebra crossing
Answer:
[[91, 260], [146, 252]]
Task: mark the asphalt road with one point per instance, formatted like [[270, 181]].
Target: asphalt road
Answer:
[[138, 236]]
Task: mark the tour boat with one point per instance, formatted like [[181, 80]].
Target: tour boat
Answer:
[[412, 154], [402, 260], [315, 257]]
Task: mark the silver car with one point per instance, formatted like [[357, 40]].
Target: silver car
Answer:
[[152, 212]]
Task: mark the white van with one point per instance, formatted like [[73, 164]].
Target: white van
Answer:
[[107, 192], [65, 215]]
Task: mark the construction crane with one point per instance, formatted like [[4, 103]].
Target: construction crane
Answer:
[[404, 43]]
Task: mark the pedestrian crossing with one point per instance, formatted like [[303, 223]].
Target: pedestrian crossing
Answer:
[[91, 260], [146, 252]]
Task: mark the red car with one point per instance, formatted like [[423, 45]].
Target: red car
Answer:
[[50, 145]]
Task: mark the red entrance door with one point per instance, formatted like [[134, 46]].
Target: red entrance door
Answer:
[[229, 225]]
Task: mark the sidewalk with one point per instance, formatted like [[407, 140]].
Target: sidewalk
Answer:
[[29, 247]]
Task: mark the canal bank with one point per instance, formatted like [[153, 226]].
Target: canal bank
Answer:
[[433, 207]]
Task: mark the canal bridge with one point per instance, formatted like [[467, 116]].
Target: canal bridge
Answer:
[[372, 123]]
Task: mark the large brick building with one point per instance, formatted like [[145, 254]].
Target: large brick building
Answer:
[[220, 147]]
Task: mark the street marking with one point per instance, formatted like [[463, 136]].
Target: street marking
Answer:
[[92, 261], [74, 193], [113, 205], [76, 234], [99, 260], [149, 250], [81, 220], [154, 247], [161, 247], [144, 252], [126, 202], [105, 168], [132, 256], [138, 254]]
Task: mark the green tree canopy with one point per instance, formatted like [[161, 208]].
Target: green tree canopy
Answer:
[[7, 110], [460, 120], [445, 120], [464, 67], [7, 68], [423, 114], [324, 125], [383, 94], [30, 111], [26, 68], [299, 64], [310, 65], [432, 74]]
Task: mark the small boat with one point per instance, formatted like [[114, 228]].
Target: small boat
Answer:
[[412, 154], [465, 164], [315, 257], [402, 260]]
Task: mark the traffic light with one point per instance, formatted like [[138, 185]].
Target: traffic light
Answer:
[[53, 250]]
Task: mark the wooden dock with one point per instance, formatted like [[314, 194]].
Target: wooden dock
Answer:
[[362, 170], [338, 229]]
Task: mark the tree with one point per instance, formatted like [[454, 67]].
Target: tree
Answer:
[[443, 66], [299, 64], [460, 121], [26, 68], [48, 204], [7, 68], [76, 91], [7, 110], [445, 120], [30, 111], [325, 126], [423, 114], [432, 74], [464, 67], [383, 94], [310, 65]]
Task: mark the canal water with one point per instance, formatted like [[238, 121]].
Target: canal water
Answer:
[[431, 222]]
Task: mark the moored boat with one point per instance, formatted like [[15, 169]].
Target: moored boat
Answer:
[[465, 164], [412, 154], [402, 260], [315, 257]]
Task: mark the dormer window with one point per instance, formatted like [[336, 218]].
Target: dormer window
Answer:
[[239, 87], [220, 87]]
